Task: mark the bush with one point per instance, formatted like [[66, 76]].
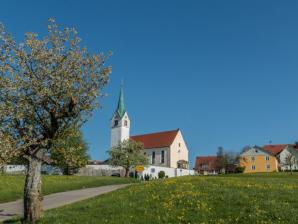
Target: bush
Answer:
[[239, 169], [131, 175], [161, 174], [147, 177]]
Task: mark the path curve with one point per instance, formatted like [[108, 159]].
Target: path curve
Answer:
[[10, 209]]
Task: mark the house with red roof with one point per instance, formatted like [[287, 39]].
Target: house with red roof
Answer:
[[286, 155], [257, 160], [206, 165]]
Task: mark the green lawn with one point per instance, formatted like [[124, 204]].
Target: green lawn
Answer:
[[261, 198], [11, 186]]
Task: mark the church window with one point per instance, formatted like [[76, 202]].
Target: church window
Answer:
[[115, 122], [125, 123], [162, 158], [179, 144], [153, 157]]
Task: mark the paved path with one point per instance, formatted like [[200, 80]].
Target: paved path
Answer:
[[15, 208]]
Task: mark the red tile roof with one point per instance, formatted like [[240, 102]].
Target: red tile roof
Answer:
[[156, 140], [208, 161], [275, 149]]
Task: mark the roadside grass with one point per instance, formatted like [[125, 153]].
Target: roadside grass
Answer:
[[11, 186], [258, 198]]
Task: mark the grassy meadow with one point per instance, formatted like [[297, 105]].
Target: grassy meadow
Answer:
[[11, 186], [259, 198]]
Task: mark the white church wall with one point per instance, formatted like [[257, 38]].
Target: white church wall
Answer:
[[158, 152], [170, 172], [179, 150]]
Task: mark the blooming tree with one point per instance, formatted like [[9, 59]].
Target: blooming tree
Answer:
[[47, 86], [7, 150], [70, 153], [127, 154]]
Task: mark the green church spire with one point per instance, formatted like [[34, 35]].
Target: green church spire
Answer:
[[121, 108]]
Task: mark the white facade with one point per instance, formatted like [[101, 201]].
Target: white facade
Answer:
[[162, 156], [283, 157], [152, 171], [168, 156], [169, 172], [178, 150], [120, 127]]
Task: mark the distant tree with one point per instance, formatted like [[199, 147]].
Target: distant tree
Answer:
[[48, 85], [290, 161], [127, 154], [221, 160], [71, 152]]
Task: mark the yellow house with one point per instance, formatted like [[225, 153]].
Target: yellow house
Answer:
[[256, 160]]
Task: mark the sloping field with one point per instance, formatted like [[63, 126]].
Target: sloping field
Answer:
[[260, 198]]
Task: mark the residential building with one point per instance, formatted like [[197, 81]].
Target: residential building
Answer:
[[285, 154], [257, 160], [206, 165]]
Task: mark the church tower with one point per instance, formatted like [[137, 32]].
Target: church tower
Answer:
[[120, 123]]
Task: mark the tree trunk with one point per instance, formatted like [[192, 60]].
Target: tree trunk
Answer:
[[32, 192], [126, 172]]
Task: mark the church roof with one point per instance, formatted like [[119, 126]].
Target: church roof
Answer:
[[156, 140], [120, 111]]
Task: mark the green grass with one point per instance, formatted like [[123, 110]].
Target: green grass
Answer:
[[11, 186], [259, 198]]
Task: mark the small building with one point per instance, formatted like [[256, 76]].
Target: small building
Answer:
[[257, 160], [206, 165], [284, 153]]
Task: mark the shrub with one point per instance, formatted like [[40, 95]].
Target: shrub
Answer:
[[239, 169], [131, 175], [147, 177], [161, 174]]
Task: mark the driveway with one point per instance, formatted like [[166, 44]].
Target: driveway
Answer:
[[15, 208]]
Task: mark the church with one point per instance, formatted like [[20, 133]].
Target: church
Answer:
[[164, 149]]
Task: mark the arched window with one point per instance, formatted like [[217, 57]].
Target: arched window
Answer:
[[115, 122], [125, 123], [162, 157], [153, 158]]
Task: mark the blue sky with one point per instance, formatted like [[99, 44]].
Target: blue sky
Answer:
[[224, 72]]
